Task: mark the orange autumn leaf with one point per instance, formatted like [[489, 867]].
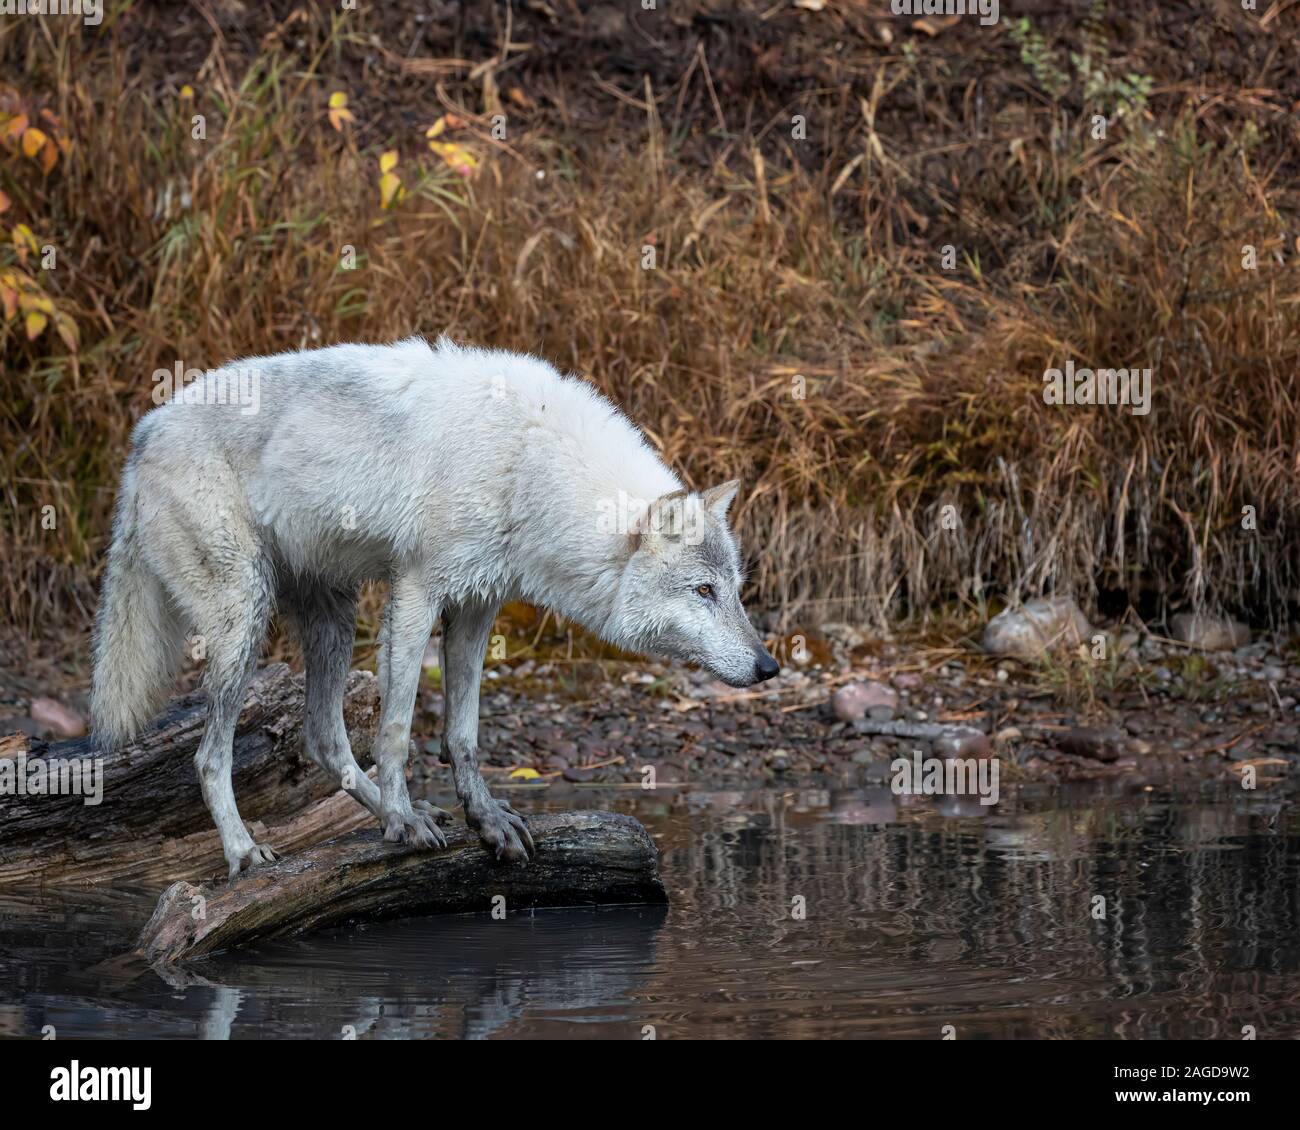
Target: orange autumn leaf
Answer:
[[13, 127], [8, 295]]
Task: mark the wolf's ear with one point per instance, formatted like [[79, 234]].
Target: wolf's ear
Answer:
[[665, 520], [718, 499]]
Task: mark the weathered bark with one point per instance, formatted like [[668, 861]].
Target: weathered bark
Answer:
[[152, 823], [582, 859]]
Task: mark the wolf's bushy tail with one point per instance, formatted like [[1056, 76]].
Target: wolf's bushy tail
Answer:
[[137, 637]]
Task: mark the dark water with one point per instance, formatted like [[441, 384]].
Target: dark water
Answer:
[[917, 916]]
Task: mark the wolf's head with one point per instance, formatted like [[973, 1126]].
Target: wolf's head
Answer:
[[680, 591]]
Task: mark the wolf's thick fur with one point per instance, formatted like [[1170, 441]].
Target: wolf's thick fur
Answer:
[[463, 478]]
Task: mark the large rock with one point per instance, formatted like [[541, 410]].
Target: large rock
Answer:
[[1101, 743], [57, 718], [1035, 628], [960, 743], [1209, 633], [853, 700]]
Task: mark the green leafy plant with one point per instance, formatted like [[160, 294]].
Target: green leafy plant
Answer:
[[1039, 58]]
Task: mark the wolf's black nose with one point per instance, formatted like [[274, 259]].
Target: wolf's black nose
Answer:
[[765, 667]]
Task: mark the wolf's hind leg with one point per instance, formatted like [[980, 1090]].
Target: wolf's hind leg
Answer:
[[233, 628], [324, 618], [408, 622], [465, 631]]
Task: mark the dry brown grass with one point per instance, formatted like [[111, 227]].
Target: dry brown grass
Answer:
[[923, 387]]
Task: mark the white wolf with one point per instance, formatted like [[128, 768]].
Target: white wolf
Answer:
[[463, 477]]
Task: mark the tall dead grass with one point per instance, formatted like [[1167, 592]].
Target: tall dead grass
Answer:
[[798, 330]]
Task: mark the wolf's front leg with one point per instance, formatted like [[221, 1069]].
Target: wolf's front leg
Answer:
[[408, 622], [465, 630]]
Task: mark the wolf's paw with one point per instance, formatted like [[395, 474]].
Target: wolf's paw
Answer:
[[255, 856], [503, 831], [416, 825]]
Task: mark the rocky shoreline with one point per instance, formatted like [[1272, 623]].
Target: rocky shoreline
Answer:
[[1054, 704], [1159, 711]]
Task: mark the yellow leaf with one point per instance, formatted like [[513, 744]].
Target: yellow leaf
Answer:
[[187, 92], [339, 113], [436, 129], [525, 775], [23, 238], [457, 156], [389, 183], [23, 241], [67, 330], [34, 300], [33, 142], [36, 322], [49, 156], [388, 161]]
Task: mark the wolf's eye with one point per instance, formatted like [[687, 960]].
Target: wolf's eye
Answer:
[[705, 591]]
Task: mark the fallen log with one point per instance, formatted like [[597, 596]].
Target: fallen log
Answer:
[[150, 822], [922, 731], [582, 859]]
